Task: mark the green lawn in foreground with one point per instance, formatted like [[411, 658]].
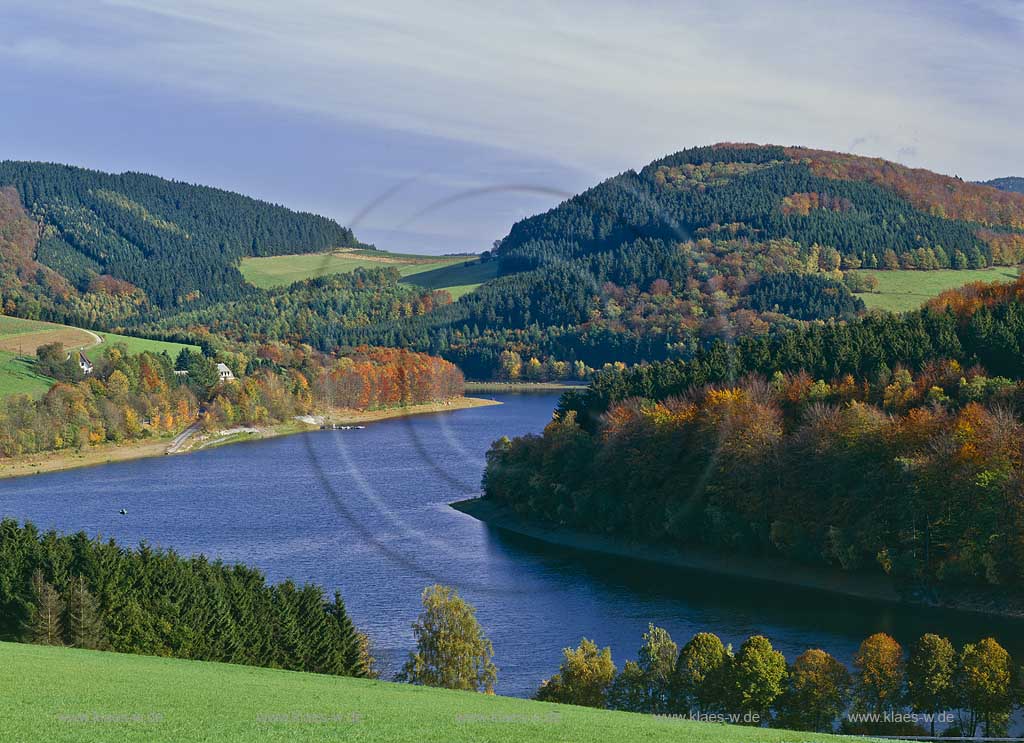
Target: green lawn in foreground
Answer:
[[59, 694], [431, 272], [18, 377], [899, 291]]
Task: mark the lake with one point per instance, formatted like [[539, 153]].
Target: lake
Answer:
[[366, 512]]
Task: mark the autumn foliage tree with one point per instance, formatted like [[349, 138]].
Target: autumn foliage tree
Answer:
[[931, 672], [584, 677], [815, 694], [707, 682], [984, 688], [451, 649], [878, 681]]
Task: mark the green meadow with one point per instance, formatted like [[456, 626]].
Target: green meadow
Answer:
[[83, 696], [138, 345], [431, 272], [899, 291], [456, 278], [19, 339], [18, 377]]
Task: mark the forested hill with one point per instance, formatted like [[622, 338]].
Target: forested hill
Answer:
[[1015, 185], [889, 444], [177, 242], [870, 210], [655, 264], [712, 243]]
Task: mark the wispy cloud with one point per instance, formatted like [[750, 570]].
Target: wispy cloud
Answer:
[[596, 85]]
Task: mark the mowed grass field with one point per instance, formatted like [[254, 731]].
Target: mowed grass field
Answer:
[[138, 345], [25, 336], [60, 694], [431, 272], [899, 291], [18, 377]]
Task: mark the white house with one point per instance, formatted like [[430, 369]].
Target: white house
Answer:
[[84, 363], [225, 373]]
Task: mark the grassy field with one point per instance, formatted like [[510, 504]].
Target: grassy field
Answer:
[[25, 336], [59, 694], [17, 377], [899, 291], [457, 279], [20, 338], [431, 272], [138, 345]]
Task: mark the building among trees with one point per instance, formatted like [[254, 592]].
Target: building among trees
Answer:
[[225, 373]]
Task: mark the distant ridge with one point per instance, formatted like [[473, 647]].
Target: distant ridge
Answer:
[[175, 241], [1011, 184]]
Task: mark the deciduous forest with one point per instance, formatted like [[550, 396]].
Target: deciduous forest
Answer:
[[887, 445]]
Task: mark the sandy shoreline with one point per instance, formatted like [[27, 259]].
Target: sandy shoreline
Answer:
[[56, 461]]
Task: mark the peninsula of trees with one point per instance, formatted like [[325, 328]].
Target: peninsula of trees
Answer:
[[889, 445]]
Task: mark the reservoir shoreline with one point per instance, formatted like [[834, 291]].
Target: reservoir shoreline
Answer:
[[265, 505], [57, 461], [772, 571]]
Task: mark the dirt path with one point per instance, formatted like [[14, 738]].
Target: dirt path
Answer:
[[182, 438], [96, 339]]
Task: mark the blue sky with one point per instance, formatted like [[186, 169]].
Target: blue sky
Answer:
[[434, 126]]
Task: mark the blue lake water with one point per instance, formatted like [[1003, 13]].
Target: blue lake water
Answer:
[[366, 512]]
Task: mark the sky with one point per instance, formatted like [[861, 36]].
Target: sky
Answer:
[[433, 127]]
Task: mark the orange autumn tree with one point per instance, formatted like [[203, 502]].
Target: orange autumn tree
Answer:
[[880, 673]]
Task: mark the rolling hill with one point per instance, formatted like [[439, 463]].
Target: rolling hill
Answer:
[[703, 244], [815, 446], [175, 242], [71, 695], [1014, 185], [656, 263]]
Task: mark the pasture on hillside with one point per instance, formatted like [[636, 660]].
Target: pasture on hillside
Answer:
[[138, 345], [900, 291], [23, 337], [430, 272], [63, 694], [18, 376], [19, 339]]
